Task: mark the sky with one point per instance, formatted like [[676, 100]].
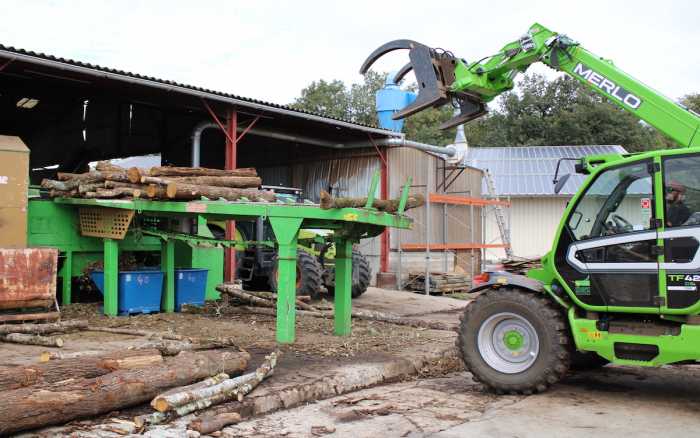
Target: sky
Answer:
[[271, 50]]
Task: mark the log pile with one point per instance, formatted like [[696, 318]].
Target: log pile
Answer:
[[440, 282], [104, 384], [35, 334], [161, 183]]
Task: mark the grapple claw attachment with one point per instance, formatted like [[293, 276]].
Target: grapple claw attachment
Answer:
[[434, 70]]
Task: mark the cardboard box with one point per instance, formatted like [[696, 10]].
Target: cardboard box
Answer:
[[14, 183]]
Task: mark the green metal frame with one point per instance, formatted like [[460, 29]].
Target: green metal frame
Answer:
[[349, 225]]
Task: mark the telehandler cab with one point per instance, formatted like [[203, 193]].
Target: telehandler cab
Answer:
[[621, 283]]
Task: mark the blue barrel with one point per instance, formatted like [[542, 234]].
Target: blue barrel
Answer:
[[138, 291], [190, 287]]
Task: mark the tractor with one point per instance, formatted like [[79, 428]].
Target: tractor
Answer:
[[621, 283], [257, 262]]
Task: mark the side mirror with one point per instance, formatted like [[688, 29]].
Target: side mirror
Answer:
[[560, 183]]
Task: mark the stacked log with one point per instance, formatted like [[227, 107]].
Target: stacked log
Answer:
[[385, 205], [160, 183]]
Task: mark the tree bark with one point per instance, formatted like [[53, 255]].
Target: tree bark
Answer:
[[93, 176], [62, 194], [106, 165], [116, 192], [176, 190], [155, 191], [27, 339], [64, 186], [83, 367], [186, 402], [90, 187], [240, 182], [200, 171], [172, 348], [27, 408], [386, 205], [116, 184], [253, 298], [210, 381], [212, 423], [43, 329], [220, 342]]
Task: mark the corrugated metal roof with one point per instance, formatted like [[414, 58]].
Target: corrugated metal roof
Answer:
[[14, 53], [529, 170]]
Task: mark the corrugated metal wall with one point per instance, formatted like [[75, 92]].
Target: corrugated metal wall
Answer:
[[448, 224]]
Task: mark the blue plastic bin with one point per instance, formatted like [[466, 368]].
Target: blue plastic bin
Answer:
[[138, 291], [190, 287]]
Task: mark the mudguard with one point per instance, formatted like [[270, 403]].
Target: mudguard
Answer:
[[502, 278]]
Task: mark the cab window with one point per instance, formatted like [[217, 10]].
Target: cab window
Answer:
[[681, 191], [620, 200]]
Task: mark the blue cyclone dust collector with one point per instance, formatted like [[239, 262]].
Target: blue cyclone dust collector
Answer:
[[390, 100]]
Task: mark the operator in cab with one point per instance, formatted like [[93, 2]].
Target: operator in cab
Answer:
[[676, 210]]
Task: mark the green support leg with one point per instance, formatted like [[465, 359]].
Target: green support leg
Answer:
[[167, 265], [286, 232], [66, 276], [111, 273], [343, 287]]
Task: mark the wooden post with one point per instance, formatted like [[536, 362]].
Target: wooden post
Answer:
[[286, 231], [111, 277], [343, 286]]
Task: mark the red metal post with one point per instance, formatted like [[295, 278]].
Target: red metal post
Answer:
[[384, 179], [230, 164]]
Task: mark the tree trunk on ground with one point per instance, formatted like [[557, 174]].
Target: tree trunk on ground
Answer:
[[55, 355], [212, 423], [43, 329], [27, 408], [200, 171], [220, 342], [83, 367], [176, 190], [386, 205], [47, 316], [236, 292], [361, 314], [186, 402], [210, 381], [172, 348], [27, 339]]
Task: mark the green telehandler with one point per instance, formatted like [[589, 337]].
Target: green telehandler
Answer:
[[621, 283]]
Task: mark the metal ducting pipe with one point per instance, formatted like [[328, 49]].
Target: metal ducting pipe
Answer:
[[197, 141]]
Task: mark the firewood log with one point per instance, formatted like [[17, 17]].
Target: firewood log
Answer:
[[386, 205], [44, 329], [240, 182], [28, 339], [212, 423], [60, 402], [82, 367], [176, 190], [200, 171]]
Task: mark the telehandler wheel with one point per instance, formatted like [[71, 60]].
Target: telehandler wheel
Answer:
[[309, 280], [361, 275], [514, 341]]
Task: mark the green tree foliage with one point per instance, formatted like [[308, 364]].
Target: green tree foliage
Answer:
[[692, 101], [560, 112], [335, 99]]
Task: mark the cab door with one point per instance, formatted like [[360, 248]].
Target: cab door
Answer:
[[608, 250], [680, 265]]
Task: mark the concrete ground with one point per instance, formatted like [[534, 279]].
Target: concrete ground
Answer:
[[613, 401], [391, 381]]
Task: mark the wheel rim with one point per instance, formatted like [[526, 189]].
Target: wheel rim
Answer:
[[508, 343]]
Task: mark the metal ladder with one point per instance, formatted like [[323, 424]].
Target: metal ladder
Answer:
[[500, 218]]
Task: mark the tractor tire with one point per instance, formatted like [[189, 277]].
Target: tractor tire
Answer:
[[587, 360], [361, 275], [514, 341], [308, 275]]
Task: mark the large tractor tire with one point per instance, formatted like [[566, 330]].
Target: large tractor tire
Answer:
[[361, 275], [309, 273], [514, 341]]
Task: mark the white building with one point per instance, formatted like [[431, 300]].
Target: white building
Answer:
[[523, 175]]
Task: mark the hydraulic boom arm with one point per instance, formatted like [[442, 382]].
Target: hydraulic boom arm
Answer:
[[442, 78]]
